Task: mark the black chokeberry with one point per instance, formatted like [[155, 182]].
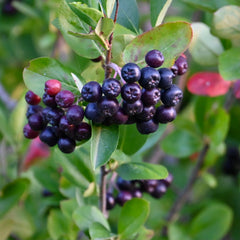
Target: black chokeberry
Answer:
[[110, 200], [131, 92], [120, 117], [171, 96], [108, 107], [166, 78], [165, 114], [52, 87], [131, 72], [36, 122], [146, 114], [122, 197], [92, 113], [132, 108], [150, 78], [66, 145], [29, 133], [75, 114], [168, 180], [33, 109], [54, 115], [91, 91], [147, 127], [32, 98], [83, 131], [136, 193], [159, 190], [111, 88], [150, 97], [67, 128], [154, 58], [150, 185], [48, 136], [64, 98], [124, 184], [49, 100], [182, 65]]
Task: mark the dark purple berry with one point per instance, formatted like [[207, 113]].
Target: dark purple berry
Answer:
[[120, 117], [92, 113], [98, 59], [132, 108], [54, 115], [46, 193], [159, 190], [32, 98], [150, 78], [29, 133], [165, 114], [154, 58], [66, 145], [136, 193], [49, 100], [52, 87], [166, 78], [33, 109], [83, 131], [36, 122], [150, 97], [174, 70], [111, 88], [147, 127], [75, 114], [168, 180], [48, 136], [91, 91], [182, 65], [131, 72], [67, 128], [146, 114], [131, 92], [64, 99], [123, 197], [124, 184], [171, 96], [110, 200], [150, 185], [108, 107]]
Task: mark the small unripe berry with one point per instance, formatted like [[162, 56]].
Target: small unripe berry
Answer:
[[52, 87], [32, 98]]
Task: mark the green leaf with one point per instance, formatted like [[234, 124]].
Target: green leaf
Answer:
[[120, 156], [209, 225], [170, 38], [11, 194], [181, 143], [229, 64], [68, 206], [176, 232], [158, 11], [204, 48], [26, 9], [98, 232], [226, 22], [132, 217], [144, 234], [108, 5], [141, 170], [42, 69], [5, 129], [103, 143], [85, 216], [209, 179]]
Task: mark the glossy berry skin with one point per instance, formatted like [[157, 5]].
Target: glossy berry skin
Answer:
[[75, 114], [168, 180], [165, 114], [171, 96], [124, 184], [64, 99], [154, 58], [123, 197], [36, 122], [32, 98], [111, 88], [49, 100], [67, 128], [159, 190], [83, 131], [150, 97], [136, 193], [174, 70], [110, 200], [131, 72], [66, 145], [54, 115], [150, 185], [108, 107], [133, 108], [150, 78], [48, 136], [91, 91], [33, 109], [147, 127], [182, 65], [52, 87], [166, 78], [131, 92], [92, 113], [146, 114], [29, 133], [120, 117]]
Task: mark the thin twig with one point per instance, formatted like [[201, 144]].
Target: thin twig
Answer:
[[103, 191]]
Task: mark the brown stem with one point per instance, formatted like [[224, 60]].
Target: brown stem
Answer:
[[103, 191]]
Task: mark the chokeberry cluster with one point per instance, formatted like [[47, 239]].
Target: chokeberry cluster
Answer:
[[60, 122], [145, 96], [126, 190]]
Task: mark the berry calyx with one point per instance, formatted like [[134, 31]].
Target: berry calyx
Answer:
[[150, 97], [150, 78], [111, 88], [131, 92], [91, 91], [171, 96], [131, 72]]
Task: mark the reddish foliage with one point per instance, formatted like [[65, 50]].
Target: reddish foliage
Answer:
[[208, 84]]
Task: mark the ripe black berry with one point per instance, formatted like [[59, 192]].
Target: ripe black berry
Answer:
[[83, 131], [33, 109], [136, 193], [110, 201], [48, 136], [168, 180], [111, 88], [150, 97], [120, 117], [132, 108], [174, 70], [91, 91], [54, 115], [52, 87], [123, 197], [75, 114], [166, 78], [49, 100], [131, 72], [124, 184], [92, 113], [150, 185], [32, 98], [150, 78], [64, 98], [154, 58], [165, 114], [171, 96], [66, 145], [159, 190], [131, 92], [67, 128], [29, 133], [147, 127], [108, 107], [182, 65], [36, 122], [146, 114]]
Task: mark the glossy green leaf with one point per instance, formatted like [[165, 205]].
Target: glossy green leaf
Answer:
[[68, 206], [86, 215], [181, 143], [204, 48], [226, 22], [141, 170], [132, 217], [158, 11], [11, 194], [108, 5], [229, 64], [98, 232], [209, 225], [42, 69], [170, 38], [120, 156], [103, 143]]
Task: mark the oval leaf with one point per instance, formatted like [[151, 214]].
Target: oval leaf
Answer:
[[170, 38], [103, 143], [98, 232], [141, 170], [208, 84]]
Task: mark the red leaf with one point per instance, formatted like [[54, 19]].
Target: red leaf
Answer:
[[208, 84], [236, 89]]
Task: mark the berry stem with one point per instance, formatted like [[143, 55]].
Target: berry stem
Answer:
[[103, 191]]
